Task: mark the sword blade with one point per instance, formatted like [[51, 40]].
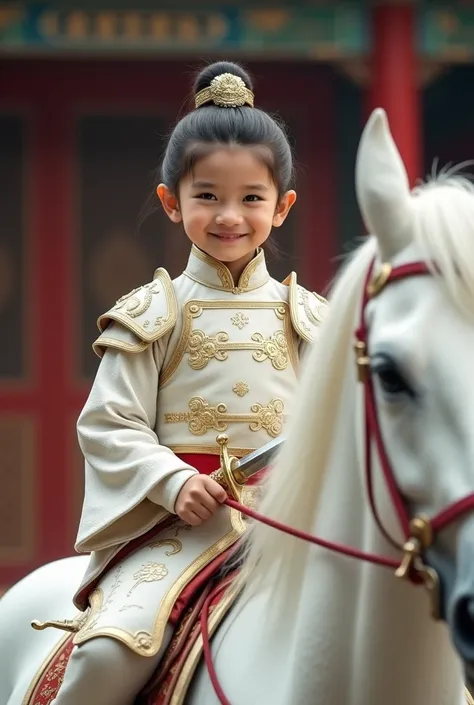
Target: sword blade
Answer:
[[256, 460]]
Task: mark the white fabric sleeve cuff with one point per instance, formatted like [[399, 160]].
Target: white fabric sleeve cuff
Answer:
[[166, 492]]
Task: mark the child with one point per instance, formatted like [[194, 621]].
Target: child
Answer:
[[215, 350]]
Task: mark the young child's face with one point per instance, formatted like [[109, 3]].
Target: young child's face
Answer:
[[229, 204]]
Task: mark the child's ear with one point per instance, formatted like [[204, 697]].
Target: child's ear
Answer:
[[283, 208], [169, 202]]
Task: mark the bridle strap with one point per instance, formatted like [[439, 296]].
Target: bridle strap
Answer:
[[372, 287]]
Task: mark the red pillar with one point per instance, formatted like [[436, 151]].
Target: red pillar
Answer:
[[394, 79]]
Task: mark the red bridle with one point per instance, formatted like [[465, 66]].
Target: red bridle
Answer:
[[419, 532]]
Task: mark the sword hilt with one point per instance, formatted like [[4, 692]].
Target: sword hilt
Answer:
[[226, 476]]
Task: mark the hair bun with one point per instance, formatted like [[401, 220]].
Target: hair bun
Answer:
[[225, 84]]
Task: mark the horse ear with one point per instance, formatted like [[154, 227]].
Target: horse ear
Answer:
[[382, 187]]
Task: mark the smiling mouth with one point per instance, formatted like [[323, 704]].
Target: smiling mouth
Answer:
[[228, 236]]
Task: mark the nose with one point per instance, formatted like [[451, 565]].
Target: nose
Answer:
[[462, 625], [229, 217]]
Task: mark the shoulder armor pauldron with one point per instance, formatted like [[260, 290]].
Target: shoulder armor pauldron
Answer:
[[147, 312], [307, 309]]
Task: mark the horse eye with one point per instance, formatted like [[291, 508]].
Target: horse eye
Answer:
[[390, 378]]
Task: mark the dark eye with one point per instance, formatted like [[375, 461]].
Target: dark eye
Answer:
[[392, 381], [206, 196], [252, 198]]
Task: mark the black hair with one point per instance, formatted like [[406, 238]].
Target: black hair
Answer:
[[208, 125], [211, 124]]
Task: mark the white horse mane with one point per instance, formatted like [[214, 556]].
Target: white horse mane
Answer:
[[443, 230]]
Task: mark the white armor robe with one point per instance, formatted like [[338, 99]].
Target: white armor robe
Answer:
[[182, 361]]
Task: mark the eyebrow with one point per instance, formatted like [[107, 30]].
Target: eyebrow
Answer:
[[247, 187]]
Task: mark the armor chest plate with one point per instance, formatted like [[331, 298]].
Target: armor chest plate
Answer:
[[232, 369]]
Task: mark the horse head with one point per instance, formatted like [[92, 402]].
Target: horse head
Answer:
[[416, 340]]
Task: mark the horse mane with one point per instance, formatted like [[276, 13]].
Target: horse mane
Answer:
[[293, 487], [443, 233]]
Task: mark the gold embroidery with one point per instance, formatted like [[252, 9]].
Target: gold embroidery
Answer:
[[202, 348], [132, 305], [193, 309], [143, 642], [149, 573], [224, 275], [240, 388], [239, 320], [176, 546], [202, 416], [222, 271], [94, 616], [274, 349], [130, 310], [304, 301], [247, 273]]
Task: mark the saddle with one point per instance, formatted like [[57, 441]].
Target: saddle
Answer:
[[170, 684]]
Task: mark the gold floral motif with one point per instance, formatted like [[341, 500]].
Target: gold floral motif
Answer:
[[176, 546], [240, 388], [90, 624], [269, 417], [202, 416], [143, 641], [239, 320], [132, 305], [202, 348], [149, 573], [274, 349]]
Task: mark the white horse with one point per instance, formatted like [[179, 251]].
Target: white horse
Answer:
[[313, 627]]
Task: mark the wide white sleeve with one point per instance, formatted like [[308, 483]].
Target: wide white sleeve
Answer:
[[131, 481]]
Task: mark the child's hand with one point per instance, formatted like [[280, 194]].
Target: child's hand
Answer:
[[199, 499]]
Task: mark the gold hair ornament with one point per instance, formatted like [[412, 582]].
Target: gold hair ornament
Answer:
[[226, 91]]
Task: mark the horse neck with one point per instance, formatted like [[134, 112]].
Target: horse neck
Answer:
[[357, 626]]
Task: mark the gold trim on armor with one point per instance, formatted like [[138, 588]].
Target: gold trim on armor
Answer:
[[194, 308], [105, 342], [209, 450], [145, 643], [202, 416], [300, 309], [131, 307], [223, 273]]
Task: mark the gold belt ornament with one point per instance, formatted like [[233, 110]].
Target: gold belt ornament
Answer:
[[201, 417]]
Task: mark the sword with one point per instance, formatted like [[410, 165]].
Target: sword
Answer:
[[234, 472]]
